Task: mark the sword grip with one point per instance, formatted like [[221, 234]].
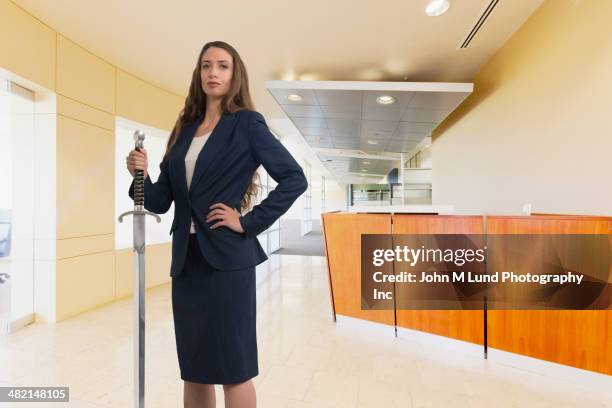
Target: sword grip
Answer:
[[139, 180], [139, 187]]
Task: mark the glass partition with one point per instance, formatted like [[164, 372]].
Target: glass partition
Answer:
[[16, 206]]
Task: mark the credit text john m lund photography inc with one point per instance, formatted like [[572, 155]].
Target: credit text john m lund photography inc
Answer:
[[470, 277]]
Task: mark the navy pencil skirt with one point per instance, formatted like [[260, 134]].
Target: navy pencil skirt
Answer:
[[214, 321]]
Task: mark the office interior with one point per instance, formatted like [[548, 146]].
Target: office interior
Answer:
[[485, 117]]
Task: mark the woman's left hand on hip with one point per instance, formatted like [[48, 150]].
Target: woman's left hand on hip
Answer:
[[230, 217]]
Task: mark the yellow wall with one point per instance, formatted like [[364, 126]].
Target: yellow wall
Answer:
[[27, 46], [90, 93], [536, 129]]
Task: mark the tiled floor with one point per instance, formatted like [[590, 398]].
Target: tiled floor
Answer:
[[305, 359]]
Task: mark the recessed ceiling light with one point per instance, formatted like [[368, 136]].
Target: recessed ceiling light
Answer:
[[365, 162], [437, 7], [385, 99], [363, 170], [294, 97], [372, 142]]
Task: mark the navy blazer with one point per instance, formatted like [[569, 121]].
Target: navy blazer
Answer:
[[238, 144]]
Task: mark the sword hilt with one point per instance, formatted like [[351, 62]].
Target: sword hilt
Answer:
[[139, 212], [139, 179]]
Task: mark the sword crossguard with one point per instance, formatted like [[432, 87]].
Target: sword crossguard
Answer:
[[139, 212]]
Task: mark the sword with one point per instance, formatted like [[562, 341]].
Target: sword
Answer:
[[139, 214]]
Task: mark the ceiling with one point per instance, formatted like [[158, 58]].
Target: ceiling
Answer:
[[340, 40], [346, 40]]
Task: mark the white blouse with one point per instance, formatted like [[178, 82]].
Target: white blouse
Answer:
[[190, 160]]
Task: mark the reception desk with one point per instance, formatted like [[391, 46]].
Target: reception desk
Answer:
[[578, 338]]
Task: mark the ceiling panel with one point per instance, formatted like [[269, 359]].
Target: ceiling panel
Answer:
[[376, 135], [378, 146], [344, 132], [390, 113], [378, 125], [345, 139], [436, 100], [410, 136], [414, 127], [341, 111], [318, 138], [309, 122], [348, 118], [321, 143], [424, 115], [401, 145], [349, 99], [346, 143], [343, 125], [313, 131], [303, 111]]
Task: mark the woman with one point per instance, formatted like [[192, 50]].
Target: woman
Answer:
[[209, 172]]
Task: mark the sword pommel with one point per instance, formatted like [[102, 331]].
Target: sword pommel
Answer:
[[139, 137]]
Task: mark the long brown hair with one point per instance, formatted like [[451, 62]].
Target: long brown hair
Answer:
[[237, 98]]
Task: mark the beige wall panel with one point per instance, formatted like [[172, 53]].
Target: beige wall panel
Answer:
[[84, 77], [72, 247], [76, 110], [142, 102], [157, 262], [124, 268], [84, 283], [27, 46], [540, 104], [85, 179]]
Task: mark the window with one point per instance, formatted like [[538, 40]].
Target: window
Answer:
[[307, 197], [270, 238], [322, 194]]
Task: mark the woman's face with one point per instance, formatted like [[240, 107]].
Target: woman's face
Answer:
[[216, 72]]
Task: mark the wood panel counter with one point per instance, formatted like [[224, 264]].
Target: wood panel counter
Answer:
[[578, 338]]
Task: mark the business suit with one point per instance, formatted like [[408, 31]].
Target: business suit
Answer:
[[213, 270], [239, 143]]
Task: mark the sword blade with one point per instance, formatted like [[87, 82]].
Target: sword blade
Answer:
[[139, 310]]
